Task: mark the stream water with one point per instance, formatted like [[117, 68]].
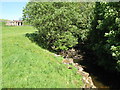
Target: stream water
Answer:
[[100, 77]]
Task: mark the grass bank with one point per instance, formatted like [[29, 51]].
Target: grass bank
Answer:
[[26, 65]]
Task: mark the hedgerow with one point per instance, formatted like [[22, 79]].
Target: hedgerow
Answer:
[[59, 24], [63, 25]]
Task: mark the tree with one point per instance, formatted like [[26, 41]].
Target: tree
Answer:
[[104, 35], [60, 24]]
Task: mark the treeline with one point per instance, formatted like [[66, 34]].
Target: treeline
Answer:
[[104, 36], [64, 25]]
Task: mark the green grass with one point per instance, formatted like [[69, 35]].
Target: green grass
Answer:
[[26, 65]]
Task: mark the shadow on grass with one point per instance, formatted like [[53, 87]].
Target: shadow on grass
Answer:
[[35, 38]]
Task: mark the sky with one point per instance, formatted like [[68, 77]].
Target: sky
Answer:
[[12, 10]]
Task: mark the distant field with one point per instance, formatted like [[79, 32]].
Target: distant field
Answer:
[[26, 65]]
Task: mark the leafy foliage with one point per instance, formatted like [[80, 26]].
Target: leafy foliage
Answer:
[[63, 25], [104, 36], [59, 24]]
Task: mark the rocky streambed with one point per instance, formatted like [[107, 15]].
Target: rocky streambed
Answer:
[[73, 57]]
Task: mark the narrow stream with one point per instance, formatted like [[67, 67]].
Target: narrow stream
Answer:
[[100, 77], [97, 83]]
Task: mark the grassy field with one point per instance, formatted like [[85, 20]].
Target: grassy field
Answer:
[[26, 65]]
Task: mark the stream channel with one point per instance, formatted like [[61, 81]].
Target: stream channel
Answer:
[[100, 77]]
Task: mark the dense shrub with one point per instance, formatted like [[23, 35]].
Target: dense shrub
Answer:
[[63, 25], [60, 24]]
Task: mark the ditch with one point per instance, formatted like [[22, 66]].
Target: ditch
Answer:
[[100, 77]]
